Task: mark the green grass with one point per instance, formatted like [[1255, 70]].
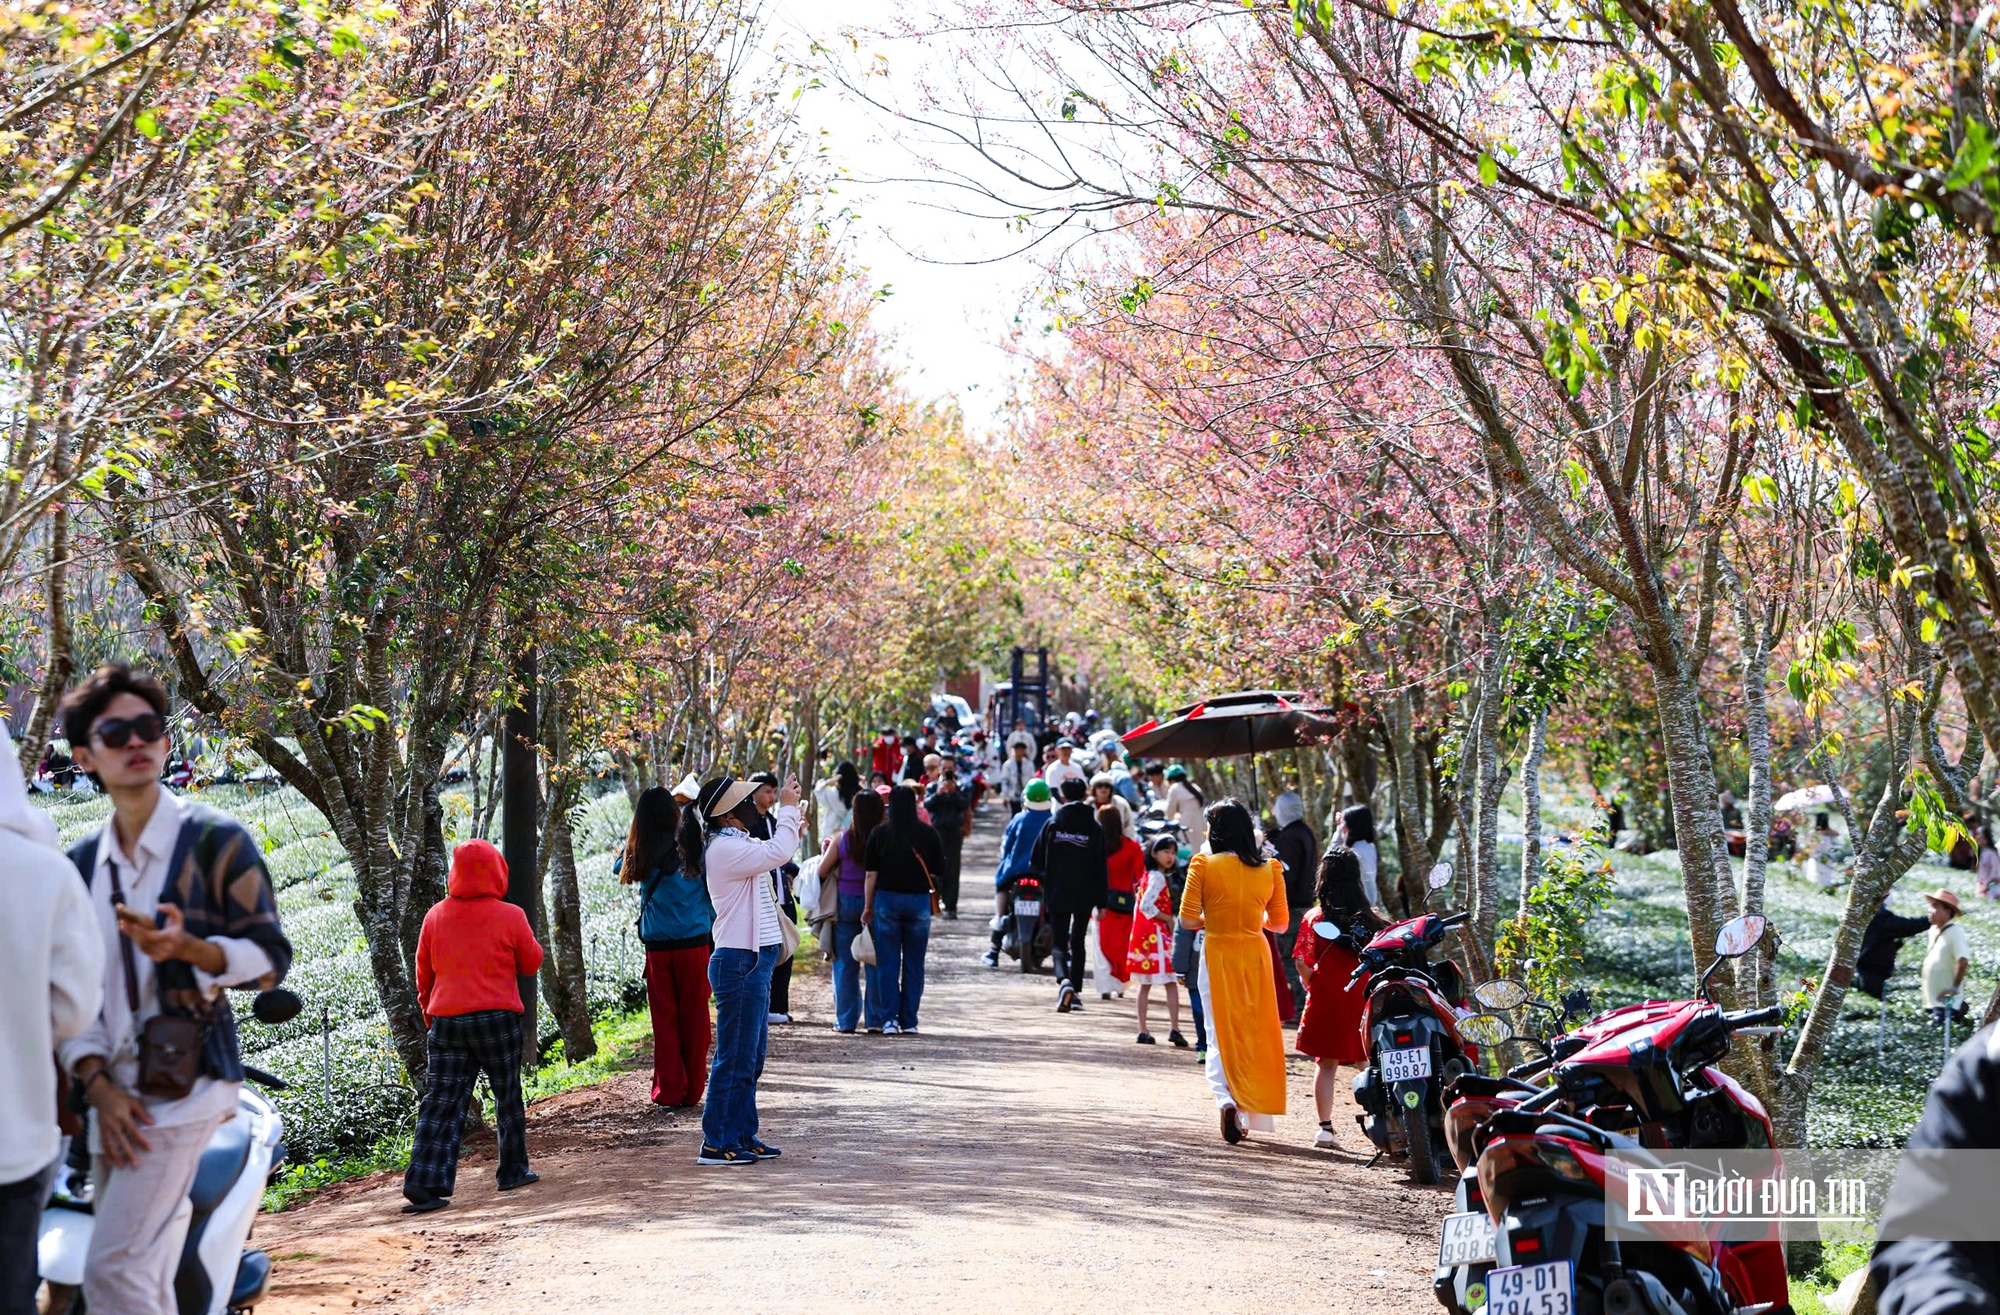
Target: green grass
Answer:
[[1810, 1291], [1637, 948], [622, 1040]]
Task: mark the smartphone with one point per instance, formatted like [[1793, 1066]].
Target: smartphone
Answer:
[[131, 915]]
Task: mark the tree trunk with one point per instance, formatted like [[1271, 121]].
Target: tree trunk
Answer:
[[1697, 816], [60, 661], [563, 975], [1531, 807], [520, 802], [1754, 638]]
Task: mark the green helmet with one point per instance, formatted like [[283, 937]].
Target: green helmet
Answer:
[[1037, 791]]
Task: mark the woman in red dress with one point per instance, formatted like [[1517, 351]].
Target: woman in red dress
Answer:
[[1125, 869], [1330, 1027]]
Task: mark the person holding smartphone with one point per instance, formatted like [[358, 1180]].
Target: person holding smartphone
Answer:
[[184, 906]]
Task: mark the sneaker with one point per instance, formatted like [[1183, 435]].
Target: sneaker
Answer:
[[1065, 1000], [529, 1177], [711, 1156], [891, 1029], [843, 1031], [874, 1031], [1146, 1039], [1324, 1137], [908, 1031], [759, 1151], [775, 1019], [990, 959], [1177, 1041]]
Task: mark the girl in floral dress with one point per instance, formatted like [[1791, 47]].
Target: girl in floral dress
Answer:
[[1151, 953]]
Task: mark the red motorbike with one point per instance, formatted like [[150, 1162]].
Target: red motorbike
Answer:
[[1410, 1029], [1629, 1082]]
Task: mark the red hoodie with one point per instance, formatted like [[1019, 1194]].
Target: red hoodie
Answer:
[[474, 944]]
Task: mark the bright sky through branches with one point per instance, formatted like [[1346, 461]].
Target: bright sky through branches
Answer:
[[949, 318]]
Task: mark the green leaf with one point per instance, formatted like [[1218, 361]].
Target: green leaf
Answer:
[[1579, 478], [1489, 168], [148, 124]]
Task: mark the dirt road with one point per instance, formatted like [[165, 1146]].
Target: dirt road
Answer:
[[1009, 1158]]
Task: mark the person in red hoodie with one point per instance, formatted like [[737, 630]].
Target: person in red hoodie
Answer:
[[473, 948]]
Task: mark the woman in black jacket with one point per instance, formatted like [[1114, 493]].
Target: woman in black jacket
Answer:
[[1071, 860]]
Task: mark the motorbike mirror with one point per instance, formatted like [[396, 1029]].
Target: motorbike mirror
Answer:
[[276, 1006], [1440, 876], [1739, 936], [1500, 994], [1484, 1029]]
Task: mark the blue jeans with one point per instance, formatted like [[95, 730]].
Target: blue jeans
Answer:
[[853, 982], [741, 980], [902, 935]]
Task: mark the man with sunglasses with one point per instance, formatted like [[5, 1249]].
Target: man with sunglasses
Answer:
[[184, 906]]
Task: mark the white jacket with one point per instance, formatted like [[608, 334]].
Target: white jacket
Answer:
[[738, 866], [55, 969]]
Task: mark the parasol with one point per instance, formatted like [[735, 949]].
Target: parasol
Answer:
[[1813, 796], [1231, 725]]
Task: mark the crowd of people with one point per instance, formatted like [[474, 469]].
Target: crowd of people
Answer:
[[140, 927]]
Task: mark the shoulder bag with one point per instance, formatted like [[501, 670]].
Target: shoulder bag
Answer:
[[788, 929], [170, 1045], [937, 905]]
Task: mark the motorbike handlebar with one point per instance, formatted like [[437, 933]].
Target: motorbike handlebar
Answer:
[[1530, 1068], [1754, 1017], [1454, 920]]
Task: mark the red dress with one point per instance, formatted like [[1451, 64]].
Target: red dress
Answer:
[[1330, 1028], [1126, 871]]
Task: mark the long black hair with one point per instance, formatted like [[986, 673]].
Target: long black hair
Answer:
[[650, 842], [1231, 830], [903, 821], [1360, 823], [847, 780], [867, 815], [1338, 891]]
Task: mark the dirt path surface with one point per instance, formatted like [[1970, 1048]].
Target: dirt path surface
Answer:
[[1009, 1158]]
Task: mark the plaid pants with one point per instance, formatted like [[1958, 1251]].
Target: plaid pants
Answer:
[[460, 1048]]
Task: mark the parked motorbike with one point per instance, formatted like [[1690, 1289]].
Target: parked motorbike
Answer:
[[218, 1274], [1632, 1080], [1410, 1027]]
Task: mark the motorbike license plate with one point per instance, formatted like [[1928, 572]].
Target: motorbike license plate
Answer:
[[1467, 1240], [1028, 908], [1404, 1065], [1531, 1290]]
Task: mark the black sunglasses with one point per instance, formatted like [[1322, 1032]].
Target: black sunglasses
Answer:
[[117, 732]]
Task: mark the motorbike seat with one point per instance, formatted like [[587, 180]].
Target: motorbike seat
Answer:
[[221, 1165]]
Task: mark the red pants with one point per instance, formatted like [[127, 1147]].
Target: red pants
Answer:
[[677, 991]]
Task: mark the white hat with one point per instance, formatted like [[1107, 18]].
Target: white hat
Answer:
[[688, 788], [721, 795]]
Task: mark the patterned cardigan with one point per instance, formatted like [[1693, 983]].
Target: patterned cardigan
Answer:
[[218, 880]]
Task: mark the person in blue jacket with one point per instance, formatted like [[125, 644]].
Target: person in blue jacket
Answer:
[[1017, 847], [1921, 1272], [676, 919]]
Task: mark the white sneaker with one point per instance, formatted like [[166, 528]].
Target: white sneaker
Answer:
[[1324, 1138], [775, 1019]]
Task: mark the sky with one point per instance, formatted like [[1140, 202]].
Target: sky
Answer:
[[954, 291]]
